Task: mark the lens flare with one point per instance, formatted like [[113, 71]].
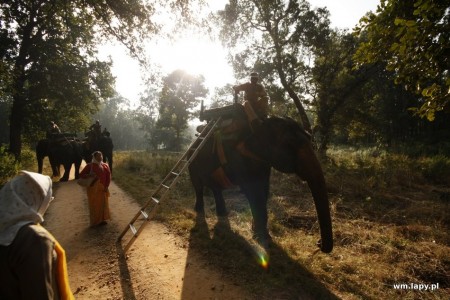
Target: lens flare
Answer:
[[263, 260]]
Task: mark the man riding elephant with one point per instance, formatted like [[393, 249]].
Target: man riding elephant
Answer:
[[52, 130], [96, 130], [256, 102]]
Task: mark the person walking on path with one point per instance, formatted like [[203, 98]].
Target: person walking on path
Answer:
[[98, 192]]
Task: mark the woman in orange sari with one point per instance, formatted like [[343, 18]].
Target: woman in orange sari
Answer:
[[98, 193]]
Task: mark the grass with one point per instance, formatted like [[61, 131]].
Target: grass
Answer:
[[390, 226], [9, 167], [390, 216]]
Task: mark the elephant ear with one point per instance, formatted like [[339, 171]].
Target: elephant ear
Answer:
[[258, 143], [277, 141]]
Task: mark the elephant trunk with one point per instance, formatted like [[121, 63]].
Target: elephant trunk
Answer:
[[310, 170], [319, 192]]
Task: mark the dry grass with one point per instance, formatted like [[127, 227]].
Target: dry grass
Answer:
[[391, 226]]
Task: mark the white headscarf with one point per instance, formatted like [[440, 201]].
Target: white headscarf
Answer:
[[23, 200], [94, 161]]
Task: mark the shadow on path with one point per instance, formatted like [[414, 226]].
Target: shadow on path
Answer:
[[236, 258]]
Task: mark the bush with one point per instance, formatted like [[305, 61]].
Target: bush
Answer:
[[8, 166], [437, 169]]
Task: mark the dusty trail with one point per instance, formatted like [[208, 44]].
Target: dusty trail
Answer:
[[159, 265]]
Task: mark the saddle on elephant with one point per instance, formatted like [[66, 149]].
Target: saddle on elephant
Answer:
[[230, 134], [233, 119], [62, 138]]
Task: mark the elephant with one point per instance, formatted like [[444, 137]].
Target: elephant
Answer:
[[61, 151], [67, 152], [42, 150], [103, 144], [276, 142]]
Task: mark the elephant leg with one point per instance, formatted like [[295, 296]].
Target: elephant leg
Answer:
[[258, 206], [257, 193], [40, 161], [77, 169], [55, 167], [67, 167], [199, 206], [110, 162], [221, 210]]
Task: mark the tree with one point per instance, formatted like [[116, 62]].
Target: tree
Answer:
[[180, 95], [334, 83], [48, 64], [413, 38], [278, 39], [122, 122], [147, 114]]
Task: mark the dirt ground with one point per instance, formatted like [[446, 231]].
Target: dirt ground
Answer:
[[159, 264]]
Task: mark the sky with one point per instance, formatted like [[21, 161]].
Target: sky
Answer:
[[198, 55]]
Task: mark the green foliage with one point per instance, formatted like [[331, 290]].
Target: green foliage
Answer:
[[336, 84], [28, 159], [122, 122], [49, 67], [8, 166], [278, 40], [437, 169], [180, 95], [412, 37], [375, 168]]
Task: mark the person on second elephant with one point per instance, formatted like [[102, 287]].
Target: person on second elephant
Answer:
[[52, 130], [32, 262], [96, 129], [106, 133], [98, 192], [256, 103]]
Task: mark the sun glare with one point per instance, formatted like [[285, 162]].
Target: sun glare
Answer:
[[197, 57]]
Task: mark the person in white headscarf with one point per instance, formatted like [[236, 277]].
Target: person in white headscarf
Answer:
[[32, 262], [98, 192]]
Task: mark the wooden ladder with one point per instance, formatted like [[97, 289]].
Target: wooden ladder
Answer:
[[146, 213]]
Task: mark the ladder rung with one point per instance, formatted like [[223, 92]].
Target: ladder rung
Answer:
[[144, 214], [133, 229], [176, 171]]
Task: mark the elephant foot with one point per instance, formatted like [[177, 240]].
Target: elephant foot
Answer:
[[324, 247], [63, 180], [200, 211], [263, 239], [222, 213]]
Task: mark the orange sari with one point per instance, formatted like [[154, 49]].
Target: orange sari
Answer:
[[98, 203]]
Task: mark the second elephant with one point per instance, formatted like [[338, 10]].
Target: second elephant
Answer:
[[67, 152]]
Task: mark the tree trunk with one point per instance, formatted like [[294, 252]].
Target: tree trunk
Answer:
[[15, 127], [295, 98], [18, 94], [300, 108], [284, 83]]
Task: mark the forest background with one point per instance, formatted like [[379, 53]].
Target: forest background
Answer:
[[375, 98], [381, 85]]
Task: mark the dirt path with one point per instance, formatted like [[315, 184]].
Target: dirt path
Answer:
[[158, 265]]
